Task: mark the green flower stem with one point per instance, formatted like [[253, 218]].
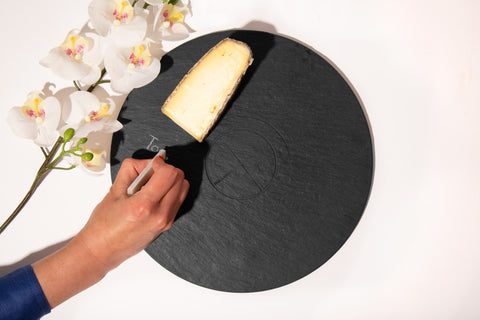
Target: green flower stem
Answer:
[[76, 85], [44, 151], [53, 164], [100, 80], [41, 174], [27, 197], [62, 168]]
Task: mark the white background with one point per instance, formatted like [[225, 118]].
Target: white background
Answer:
[[415, 253]]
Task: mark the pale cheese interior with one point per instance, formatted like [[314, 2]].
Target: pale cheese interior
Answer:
[[200, 97]]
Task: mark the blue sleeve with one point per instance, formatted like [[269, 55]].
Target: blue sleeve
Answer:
[[21, 296]]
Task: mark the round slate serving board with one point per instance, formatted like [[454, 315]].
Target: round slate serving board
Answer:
[[278, 185]]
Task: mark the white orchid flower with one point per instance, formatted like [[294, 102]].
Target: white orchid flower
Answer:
[[85, 113], [37, 119], [98, 162], [131, 68], [95, 164], [169, 22], [155, 2], [119, 21], [79, 57]]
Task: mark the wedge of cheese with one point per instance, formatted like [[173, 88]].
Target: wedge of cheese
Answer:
[[199, 99]]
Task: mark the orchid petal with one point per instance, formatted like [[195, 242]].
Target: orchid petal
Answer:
[[45, 137], [128, 35], [92, 76], [47, 132], [78, 58], [98, 162], [155, 2], [84, 129], [52, 110], [82, 103], [115, 61], [113, 126], [169, 22], [95, 55], [62, 66], [100, 12], [36, 120], [136, 78], [20, 125], [131, 68], [88, 114], [178, 31]]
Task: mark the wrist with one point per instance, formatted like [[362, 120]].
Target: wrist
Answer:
[[97, 251], [90, 260], [68, 271]]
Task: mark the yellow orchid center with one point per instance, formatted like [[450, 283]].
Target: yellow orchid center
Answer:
[[74, 47], [99, 114], [123, 12], [33, 109], [171, 15], [140, 56]]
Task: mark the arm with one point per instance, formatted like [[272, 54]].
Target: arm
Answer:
[[119, 227]]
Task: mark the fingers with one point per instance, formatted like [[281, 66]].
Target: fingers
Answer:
[[168, 188], [163, 179], [159, 200], [163, 217], [129, 170]]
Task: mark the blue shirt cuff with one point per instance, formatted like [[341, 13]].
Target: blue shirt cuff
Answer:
[[21, 296]]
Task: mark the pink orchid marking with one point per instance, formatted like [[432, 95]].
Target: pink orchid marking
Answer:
[[98, 115], [139, 57], [122, 14], [75, 49], [35, 112], [168, 20]]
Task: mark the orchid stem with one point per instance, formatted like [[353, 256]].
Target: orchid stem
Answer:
[[41, 174], [27, 197], [44, 151], [90, 89], [62, 168], [76, 85]]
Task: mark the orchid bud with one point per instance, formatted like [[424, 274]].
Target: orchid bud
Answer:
[[68, 134], [87, 156], [82, 141]]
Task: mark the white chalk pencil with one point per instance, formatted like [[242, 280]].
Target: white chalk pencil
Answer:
[[145, 175]]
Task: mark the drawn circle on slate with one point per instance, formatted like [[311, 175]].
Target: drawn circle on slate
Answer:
[[242, 163], [278, 185]]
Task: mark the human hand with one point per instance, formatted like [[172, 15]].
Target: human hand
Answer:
[[121, 225]]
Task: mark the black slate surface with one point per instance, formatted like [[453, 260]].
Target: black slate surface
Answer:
[[280, 183]]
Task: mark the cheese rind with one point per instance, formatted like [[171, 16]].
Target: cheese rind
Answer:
[[199, 99]]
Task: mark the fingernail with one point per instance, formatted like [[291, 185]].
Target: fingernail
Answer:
[[161, 158]]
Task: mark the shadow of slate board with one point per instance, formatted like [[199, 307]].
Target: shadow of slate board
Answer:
[[278, 185]]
